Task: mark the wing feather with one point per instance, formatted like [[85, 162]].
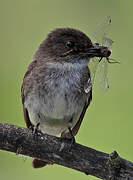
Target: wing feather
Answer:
[[78, 124], [24, 84]]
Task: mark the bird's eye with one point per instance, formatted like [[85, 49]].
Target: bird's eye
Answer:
[[70, 44]]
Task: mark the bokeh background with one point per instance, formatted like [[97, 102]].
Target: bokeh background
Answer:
[[108, 123]]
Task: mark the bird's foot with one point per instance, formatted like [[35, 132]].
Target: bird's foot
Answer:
[[67, 142], [34, 129], [72, 139]]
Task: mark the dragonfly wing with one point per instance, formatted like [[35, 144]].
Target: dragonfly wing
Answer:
[[99, 70], [107, 42], [101, 32], [93, 64], [102, 75]]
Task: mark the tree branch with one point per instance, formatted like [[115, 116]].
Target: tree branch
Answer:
[[57, 151]]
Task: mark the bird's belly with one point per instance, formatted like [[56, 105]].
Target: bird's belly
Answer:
[[57, 112]]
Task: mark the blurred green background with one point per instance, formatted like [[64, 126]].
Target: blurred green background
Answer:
[[108, 123]]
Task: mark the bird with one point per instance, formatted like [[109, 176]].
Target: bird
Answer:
[[57, 88]]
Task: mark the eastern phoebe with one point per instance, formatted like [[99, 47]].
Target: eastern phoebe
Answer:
[[57, 88]]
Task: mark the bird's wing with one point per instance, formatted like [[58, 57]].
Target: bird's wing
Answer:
[[25, 111], [77, 126], [24, 84], [26, 117]]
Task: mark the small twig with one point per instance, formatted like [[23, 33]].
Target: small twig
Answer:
[[114, 165], [53, 150]]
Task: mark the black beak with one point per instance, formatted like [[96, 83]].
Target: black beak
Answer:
[[99, 51]]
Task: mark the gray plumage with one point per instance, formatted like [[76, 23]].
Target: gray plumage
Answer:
[[58, 101]]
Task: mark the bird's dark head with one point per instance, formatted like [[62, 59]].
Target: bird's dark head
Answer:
[[66, 44]]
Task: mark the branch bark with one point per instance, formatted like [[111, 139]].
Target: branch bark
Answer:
[[57, 151]]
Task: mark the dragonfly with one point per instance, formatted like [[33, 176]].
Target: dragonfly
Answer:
[[99, 66]]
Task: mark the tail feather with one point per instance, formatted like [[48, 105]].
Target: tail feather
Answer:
[[38, 163]]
